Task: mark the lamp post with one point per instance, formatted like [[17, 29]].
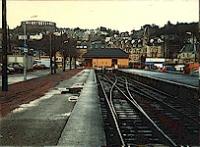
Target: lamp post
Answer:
[[25, 53], [64, 56], [4, 48], [54, 54], [50, 53]]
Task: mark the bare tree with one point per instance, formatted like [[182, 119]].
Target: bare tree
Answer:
[[69, 50]]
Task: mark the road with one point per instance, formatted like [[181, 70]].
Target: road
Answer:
[[20, 77]]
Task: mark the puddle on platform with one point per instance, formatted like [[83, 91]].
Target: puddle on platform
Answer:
[[18, 110], [77, 85], [53, 92], [61, 89], [73, 98], [61, 116]]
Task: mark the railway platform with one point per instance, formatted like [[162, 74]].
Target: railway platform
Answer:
[[177, 78], [56, 118], [178, 85], [85, 125]]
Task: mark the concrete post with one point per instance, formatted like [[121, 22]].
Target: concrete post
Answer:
[[4, 48]]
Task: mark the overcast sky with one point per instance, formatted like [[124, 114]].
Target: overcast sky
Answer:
[[123, 15]]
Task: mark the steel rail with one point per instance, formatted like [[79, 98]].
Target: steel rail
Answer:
[[145, 94], [111, 99], [113, 115], [162, 92], [170, 141], [152, 122]]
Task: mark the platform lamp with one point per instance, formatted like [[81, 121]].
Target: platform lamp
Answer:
[[64, 53], [50, 52]]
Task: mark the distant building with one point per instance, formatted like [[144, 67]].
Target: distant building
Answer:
[[86, 35], [135, 54], [106, 58], [97, 44], [81, 49], [189, 53], [107, 39], [41, 25], [155, 51], [33, 27], [59, 59], [36, 36], [125, 35], [138, 50], [172, 45]]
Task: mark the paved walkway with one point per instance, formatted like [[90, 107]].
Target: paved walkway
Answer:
[[85, 125]]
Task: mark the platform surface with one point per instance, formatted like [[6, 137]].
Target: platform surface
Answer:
[[40, 122], [179, 78], [85, 125]]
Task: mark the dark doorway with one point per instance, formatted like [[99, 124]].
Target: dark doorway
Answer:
[[88, 62], [114, 62]]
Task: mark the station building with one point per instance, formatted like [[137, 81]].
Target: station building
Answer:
[[106, 58]]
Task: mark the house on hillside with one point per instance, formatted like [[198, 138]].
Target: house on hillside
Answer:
[[97, 44], [189, 53], [106, 58]]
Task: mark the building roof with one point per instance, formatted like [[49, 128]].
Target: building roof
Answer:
[[106, 53]]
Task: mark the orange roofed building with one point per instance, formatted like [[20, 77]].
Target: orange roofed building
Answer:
[[106, 58]]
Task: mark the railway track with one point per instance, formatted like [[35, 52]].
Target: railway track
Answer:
[[188, 108], [132, 124], [144, 117]]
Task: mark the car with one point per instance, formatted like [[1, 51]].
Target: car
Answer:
[[44, 63], [180, 67], [195, 73], [19, 68], [168, 68], [10, 70], [39, 66]]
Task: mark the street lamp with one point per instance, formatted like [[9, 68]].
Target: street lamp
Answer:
[[25, 52], [64, 55], [50, 53]]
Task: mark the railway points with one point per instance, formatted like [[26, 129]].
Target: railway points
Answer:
[[143, 115]]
